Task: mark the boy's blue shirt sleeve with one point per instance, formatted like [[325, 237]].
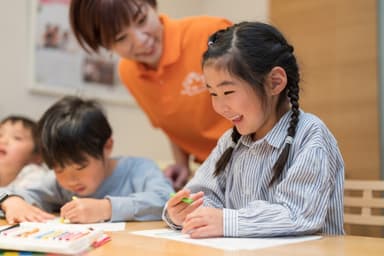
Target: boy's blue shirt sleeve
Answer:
[[45, 194], [141, 191]]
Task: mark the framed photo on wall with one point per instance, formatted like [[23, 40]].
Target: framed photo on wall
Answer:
[[60, 66]]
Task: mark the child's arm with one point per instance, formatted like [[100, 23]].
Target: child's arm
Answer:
[[212, 188], [17, 210], [44, 193]]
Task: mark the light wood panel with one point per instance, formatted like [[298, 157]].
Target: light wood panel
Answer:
[[336, 44]]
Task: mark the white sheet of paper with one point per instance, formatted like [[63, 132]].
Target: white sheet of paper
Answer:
[[104, 226], [225, 243]]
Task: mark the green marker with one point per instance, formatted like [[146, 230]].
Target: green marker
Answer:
[[185, 199]]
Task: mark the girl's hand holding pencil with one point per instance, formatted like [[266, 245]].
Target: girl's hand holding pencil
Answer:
[[184, 199], [183, 203]]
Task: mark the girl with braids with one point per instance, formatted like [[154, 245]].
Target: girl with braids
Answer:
[[278, 171]]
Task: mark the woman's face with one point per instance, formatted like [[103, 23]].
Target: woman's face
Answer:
[[142, 40]]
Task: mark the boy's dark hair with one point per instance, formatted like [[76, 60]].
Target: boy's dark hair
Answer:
[[95, 23], [28, 124], [249, 51], [72, 129]]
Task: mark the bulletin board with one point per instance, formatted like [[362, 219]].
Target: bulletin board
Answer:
[[58, 65]]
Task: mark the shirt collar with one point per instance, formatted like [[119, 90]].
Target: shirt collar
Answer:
[[274, 137]]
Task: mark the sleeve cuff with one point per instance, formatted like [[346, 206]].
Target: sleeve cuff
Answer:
[[230, 222], [121, 211], [168, 220]]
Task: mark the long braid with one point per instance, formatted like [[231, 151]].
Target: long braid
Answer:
[[293, 95], [226, 156]]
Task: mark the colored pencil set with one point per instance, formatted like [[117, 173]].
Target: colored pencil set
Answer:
[[50, 238]]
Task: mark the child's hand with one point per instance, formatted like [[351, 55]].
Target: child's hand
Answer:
[[177, 210], [17, 210], [204, 222], [87, 210]]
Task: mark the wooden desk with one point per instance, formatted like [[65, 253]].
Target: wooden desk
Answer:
[[124, 243]]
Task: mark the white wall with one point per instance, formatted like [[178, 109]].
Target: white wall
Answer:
[[236, 11], [180, 8], [132, 131]]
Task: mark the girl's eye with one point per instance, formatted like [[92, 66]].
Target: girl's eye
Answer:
[[213, 94], [228, 92]]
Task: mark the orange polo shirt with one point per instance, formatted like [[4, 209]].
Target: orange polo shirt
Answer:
[[174, 96]]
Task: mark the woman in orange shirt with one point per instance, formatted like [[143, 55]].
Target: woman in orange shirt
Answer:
[[161, 67]]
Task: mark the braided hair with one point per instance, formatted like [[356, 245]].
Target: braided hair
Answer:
[[249, 51]]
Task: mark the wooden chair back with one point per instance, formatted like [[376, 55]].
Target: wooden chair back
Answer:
[[367, 196]]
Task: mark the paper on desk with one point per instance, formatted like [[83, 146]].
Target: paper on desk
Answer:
[[225, 243], [104, 226]]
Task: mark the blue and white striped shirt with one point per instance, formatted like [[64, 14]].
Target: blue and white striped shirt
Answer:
[[308, 197]]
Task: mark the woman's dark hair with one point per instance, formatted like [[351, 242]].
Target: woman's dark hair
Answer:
[[28, 124], [249, 51], [72, 129], [95, 23]]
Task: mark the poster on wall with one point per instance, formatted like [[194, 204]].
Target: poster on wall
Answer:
[[60, 66]]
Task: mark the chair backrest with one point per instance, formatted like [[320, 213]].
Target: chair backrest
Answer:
[[365, 200]]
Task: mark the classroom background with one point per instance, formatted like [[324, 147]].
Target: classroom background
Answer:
[[338, 44]]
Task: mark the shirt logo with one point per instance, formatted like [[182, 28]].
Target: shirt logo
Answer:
[[193, 84]]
